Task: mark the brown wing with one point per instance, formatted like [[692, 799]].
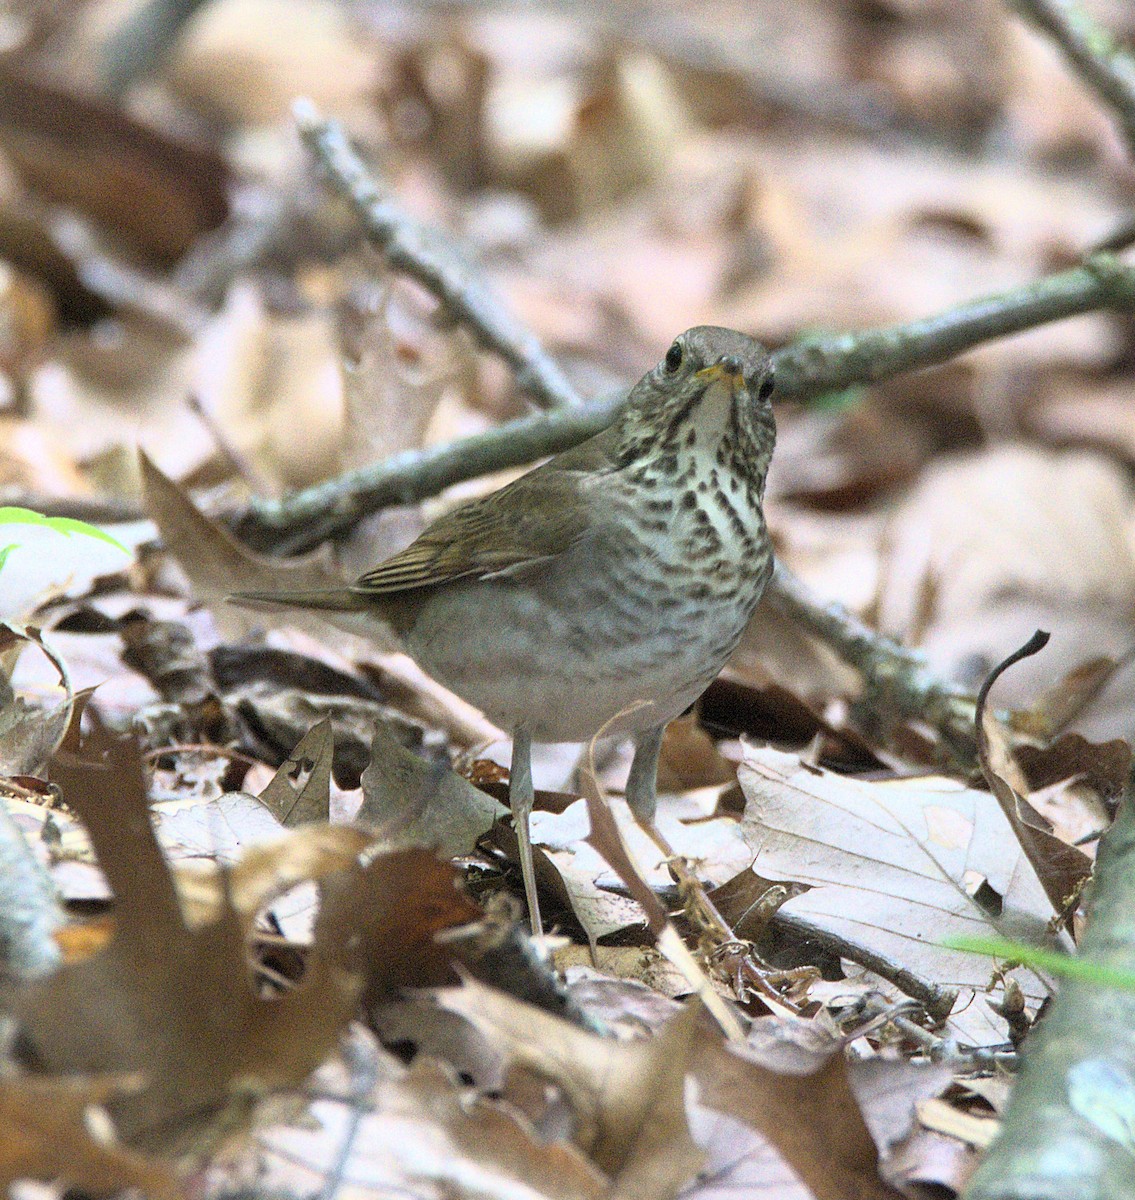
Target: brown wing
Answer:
[[533, 519]]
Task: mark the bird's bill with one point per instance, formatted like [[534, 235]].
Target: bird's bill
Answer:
[[718, 371]]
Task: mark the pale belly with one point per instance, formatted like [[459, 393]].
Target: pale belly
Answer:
[[564, 671]]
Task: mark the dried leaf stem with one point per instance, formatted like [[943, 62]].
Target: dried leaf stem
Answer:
[[1100, 61]]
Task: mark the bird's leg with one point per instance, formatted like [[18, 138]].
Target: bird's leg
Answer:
[[642, 783], [521, 797]]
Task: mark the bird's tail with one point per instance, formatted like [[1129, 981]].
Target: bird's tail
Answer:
[[327, 600], [337, 606]]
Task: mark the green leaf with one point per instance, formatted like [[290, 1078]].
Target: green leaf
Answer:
[[64, 525], [1046, 960], [5, 552]]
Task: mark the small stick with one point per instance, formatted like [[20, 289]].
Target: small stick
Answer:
[[426, 255]]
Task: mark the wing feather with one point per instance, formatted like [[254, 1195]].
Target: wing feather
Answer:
[[533, 519]]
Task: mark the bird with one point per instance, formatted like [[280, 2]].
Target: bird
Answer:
[[604, 589]]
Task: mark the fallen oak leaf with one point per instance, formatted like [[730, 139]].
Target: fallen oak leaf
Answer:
[[171, 1002], [48, 1132], [790, 1082], [384, 920], [217, 564], [264, 872], [628, 1099]]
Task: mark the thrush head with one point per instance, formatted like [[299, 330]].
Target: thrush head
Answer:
[[712, 389]]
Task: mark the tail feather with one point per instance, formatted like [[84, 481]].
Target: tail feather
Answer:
[[328, 600]]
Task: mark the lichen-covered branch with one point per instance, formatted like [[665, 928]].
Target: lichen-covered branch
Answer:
[[806, 368], [897, 684], [1066, 1134], [29, 908], [304, 519], [427, 255], [1102, 63], [898, 687], [815, 365]]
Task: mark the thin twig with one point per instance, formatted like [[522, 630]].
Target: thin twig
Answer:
[[938, 1001], [305, 519], [898, 685], [142, 42], [1104, 65], [428, 256]]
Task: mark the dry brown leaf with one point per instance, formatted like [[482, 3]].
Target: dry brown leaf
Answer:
[[384, 921], [1013, 520], [30, 735], [409, 801], [596, 889], [643, 964], [992, 546], [421, 1133], [217, 564], [942, 1117], [1104, 767], [1062, 869], [309, 765], [795, 1089], [628, 1100], [154, 193], [264, 872], [690, 758], [173, 1003], [27, 244], [225, 63], [262, 376], [50, 1130]]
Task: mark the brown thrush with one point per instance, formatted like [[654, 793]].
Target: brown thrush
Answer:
[[620, 572]]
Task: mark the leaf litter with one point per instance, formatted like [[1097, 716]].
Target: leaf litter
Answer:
[[272, 913]]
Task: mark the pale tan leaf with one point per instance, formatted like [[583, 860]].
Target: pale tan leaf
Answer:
[[896, 867]]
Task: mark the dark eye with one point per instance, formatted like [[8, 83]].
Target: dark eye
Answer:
[[673, 358], [765, 390]]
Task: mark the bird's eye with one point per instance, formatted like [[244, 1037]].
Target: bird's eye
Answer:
[[673, 358], [765, 390]]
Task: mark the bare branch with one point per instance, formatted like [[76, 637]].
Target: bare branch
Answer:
[[427, 255], [806, 368], [898, 686], [142, 42], [1105, 66]]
